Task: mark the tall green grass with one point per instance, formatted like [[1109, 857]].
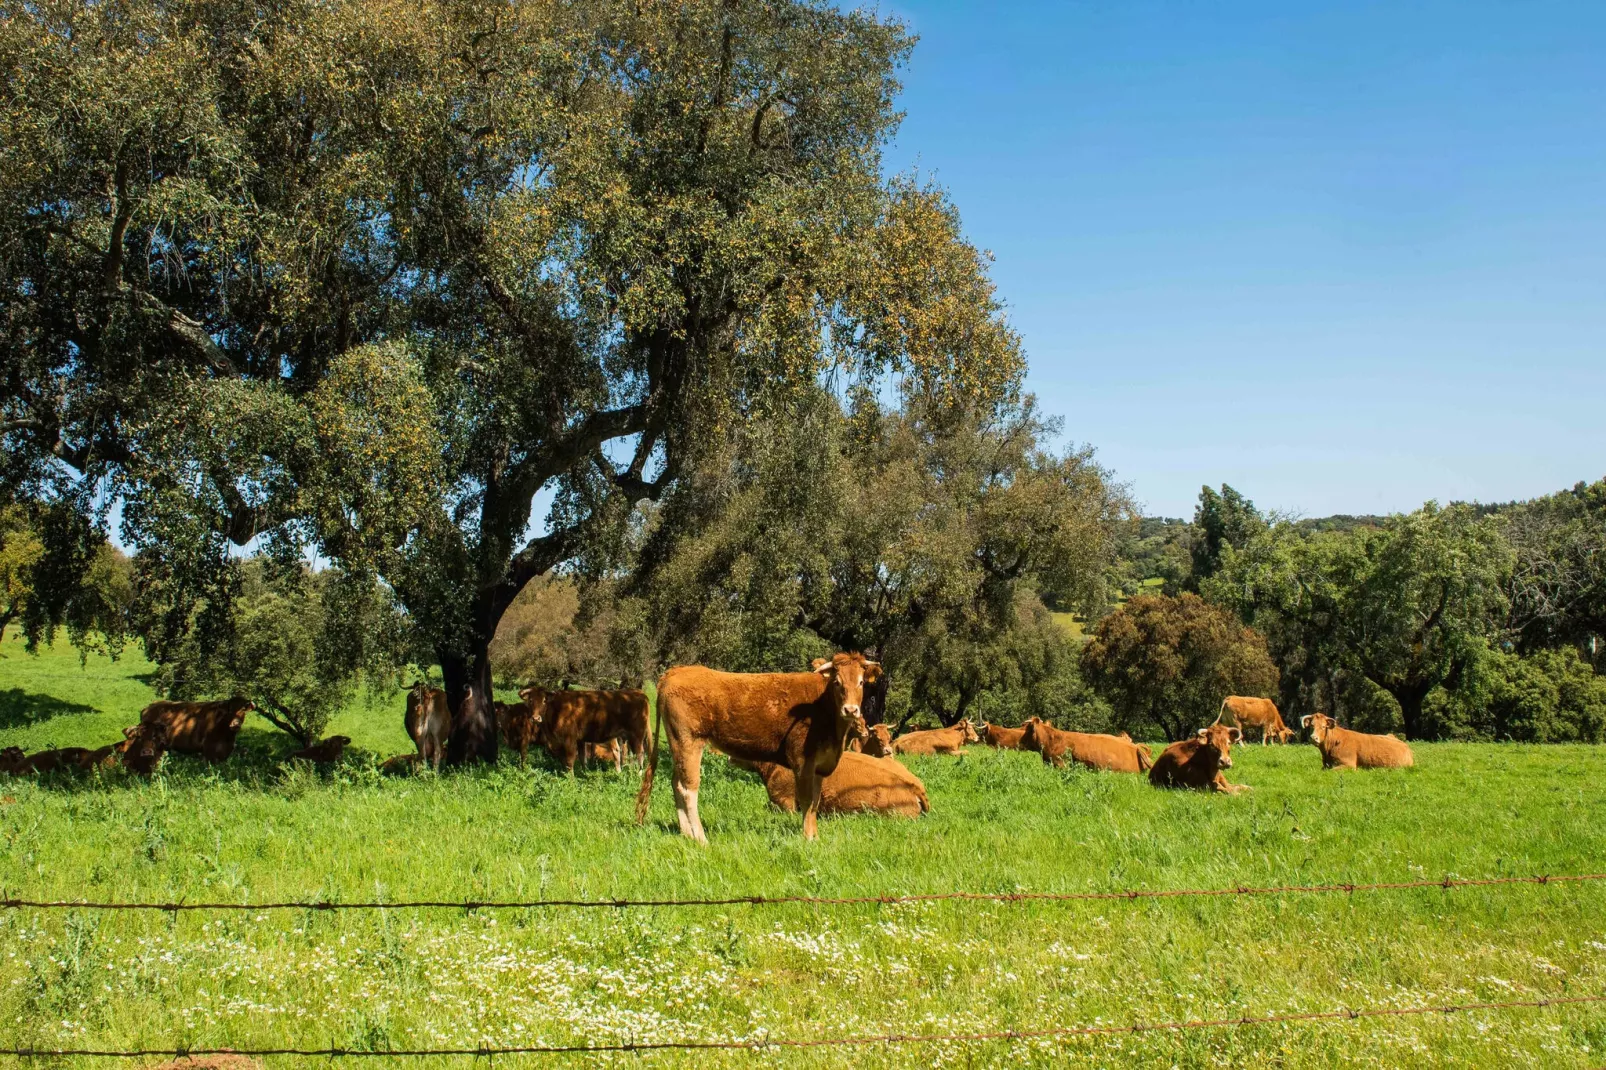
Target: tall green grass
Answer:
[[259, 829]]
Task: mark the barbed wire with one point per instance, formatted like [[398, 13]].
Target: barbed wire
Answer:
[[863, 1040], [1349, 887]]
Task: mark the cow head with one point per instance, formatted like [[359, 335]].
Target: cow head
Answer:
[[967, 731], [846, 677], [1220, 738], [1028, 739], [1283, 734], [12, 758], [144, 745], [1319, 724], [238, 707], [879, 743]]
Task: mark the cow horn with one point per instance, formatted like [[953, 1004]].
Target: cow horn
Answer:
[[1304, 722], [825, 668], [1204, 733]]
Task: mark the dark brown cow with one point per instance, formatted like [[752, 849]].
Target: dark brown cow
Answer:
[[1261, 713], [400, 764], [12, 759], [1348, 749], [1094, 750], [429, 722], [143, 746], [567, 720], [1003, 738], [801, 720], [1198, 762], [858, 784], [936, 740], [324, 751], [205, 728]]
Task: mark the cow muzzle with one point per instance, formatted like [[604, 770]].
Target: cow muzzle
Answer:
[[1226, 761]]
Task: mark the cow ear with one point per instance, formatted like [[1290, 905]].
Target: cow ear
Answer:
[[128, 733], [872, 671], [1304, 722]]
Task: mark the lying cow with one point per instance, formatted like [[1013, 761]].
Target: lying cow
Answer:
[[1092, 749], [1261, 713], [1003, 738], [936, 740], [1198, 762], [205, 728], [568, 720], [1343, 748], [143, 746], [69, 758], [12, 760], [878, 743], [400, 764], [859, 784], [429, 722], [802, 720], [325, 751]]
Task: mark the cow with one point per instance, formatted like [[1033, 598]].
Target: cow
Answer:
[[400, 764], [1094, 750], [519, 726], [936, 740], [143, 746], [802, 720], [998, 736], [1261, 713], [1198, 762], [567, 720], [205, 728], [12, 759], [859, 784], [609, 753], [429, 722], [324, 751], [878, 743], [1346, 749]]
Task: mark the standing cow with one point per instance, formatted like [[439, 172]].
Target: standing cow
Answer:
[[568, 722], [1261, 713], [205, 728], [1347, 749], [801, 720], [1198, 762], [429, 722]]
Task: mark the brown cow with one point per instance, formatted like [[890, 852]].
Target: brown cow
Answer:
[[429, 722], [143, 746], [936, 740], [205, 728], [858, 784], [878, 743], [1343, 748], [1094, 750], [567, 720], [801, 720], [400, 764], [324, 751], [609, 753], [1003, 738], [1198, 762], [520, 726], [1261, 713]]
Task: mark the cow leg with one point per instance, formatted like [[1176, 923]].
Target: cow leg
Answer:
[[808, 799], [688, 758], [618, 755]]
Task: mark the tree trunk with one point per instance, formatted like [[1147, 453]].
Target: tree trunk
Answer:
[[1411, 697], [468, 693]]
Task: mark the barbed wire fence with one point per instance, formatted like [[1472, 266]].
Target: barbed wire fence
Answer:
[[764, 1043]]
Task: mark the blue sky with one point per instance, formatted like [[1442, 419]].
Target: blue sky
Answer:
[[1344, 256]]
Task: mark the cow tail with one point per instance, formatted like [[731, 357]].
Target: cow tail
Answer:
[[1221, 711], [644, 800]]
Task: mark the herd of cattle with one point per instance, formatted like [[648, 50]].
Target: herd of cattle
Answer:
[[805, 735]]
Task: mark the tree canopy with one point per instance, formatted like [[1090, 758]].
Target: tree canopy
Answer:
[[383, 273]]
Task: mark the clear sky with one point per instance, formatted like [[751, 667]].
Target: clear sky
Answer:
[[1344, 256]]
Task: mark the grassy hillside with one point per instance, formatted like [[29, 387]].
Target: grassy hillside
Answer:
[[256, 829]]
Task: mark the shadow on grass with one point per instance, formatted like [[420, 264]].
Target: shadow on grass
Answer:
[[19, 708]]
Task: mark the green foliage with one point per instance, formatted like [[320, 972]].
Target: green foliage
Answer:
[[1549, 696], [1409, 605], [1557, 584], [922, 535], [1168, 662], [298, 644], [57, 571], [1221, 522], [382, 273]]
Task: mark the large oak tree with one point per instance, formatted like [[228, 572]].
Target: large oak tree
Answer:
[[370, 276]]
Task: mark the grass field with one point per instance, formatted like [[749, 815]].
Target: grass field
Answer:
[[256, 830]]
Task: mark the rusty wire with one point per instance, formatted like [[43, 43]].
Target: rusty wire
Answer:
[[866, 1040], [1446, 883]]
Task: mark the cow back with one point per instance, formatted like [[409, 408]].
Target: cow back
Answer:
[[762, 717]]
